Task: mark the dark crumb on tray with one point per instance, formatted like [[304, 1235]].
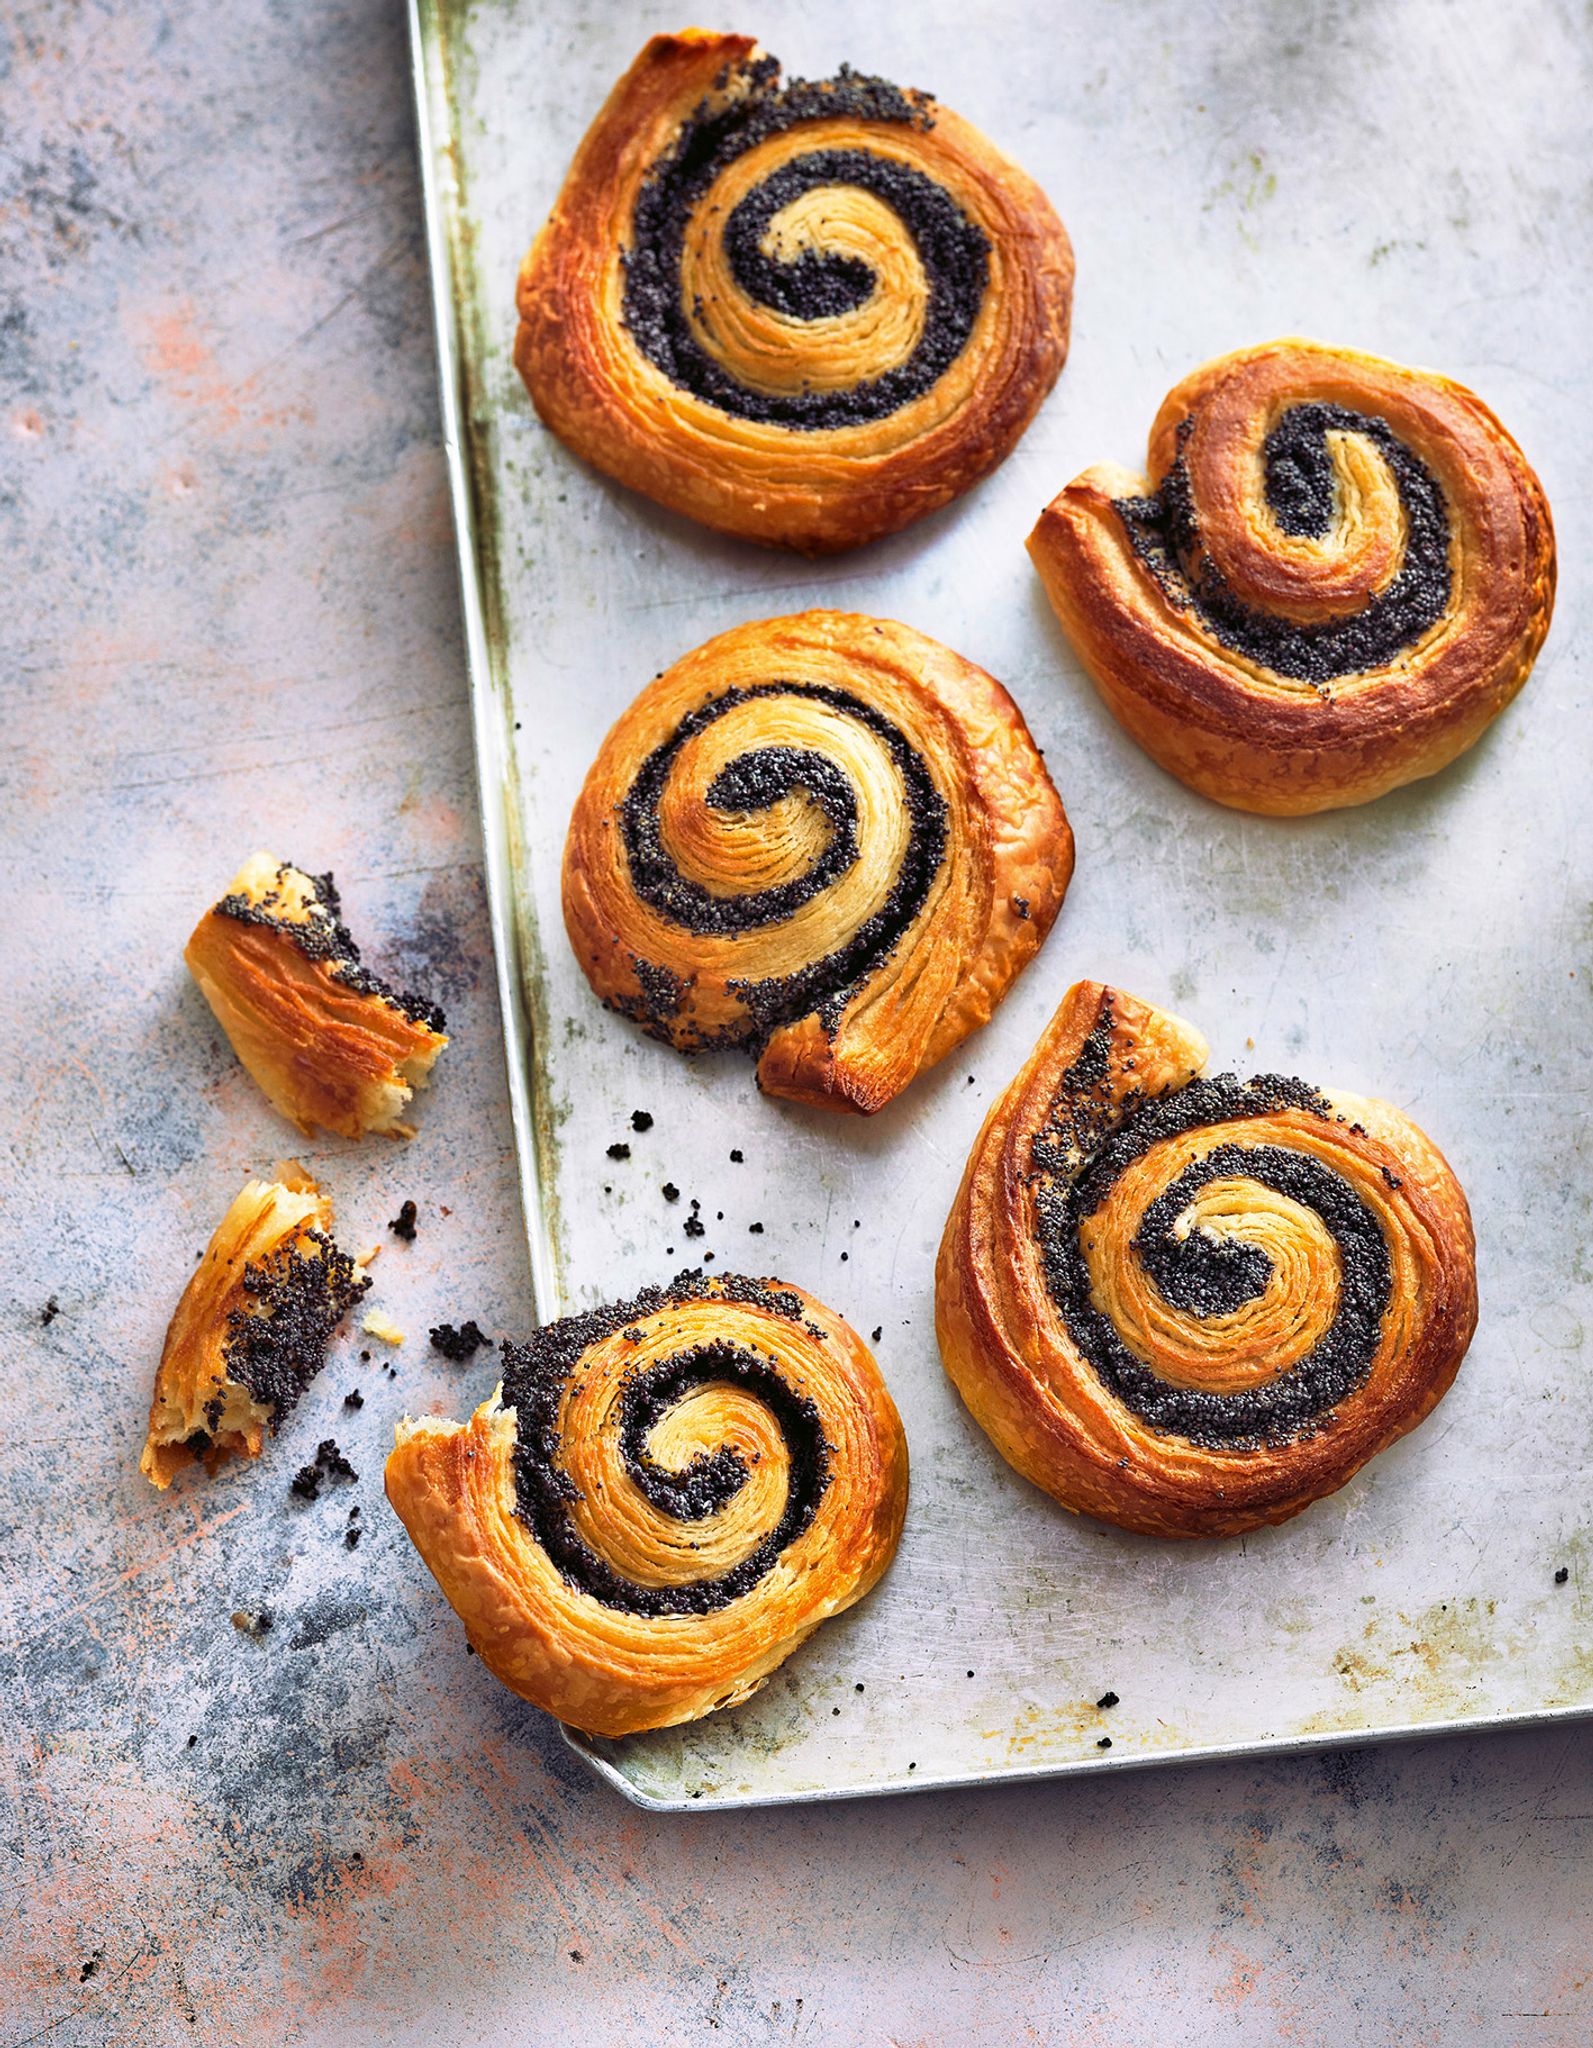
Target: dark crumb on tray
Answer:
[[670, 1192], [1105, 1742], [352, 1538], [461, 1344], [1562, 1575], [641, 1120], [51, 1309], [878, 1332], [620, 1151], [330, 1463], [736, 1156], [403, 1224], [354, 1400], [1107, 1699]]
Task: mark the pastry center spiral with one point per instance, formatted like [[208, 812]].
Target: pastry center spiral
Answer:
[[1338, 479], [667, 1484], [817, 800], [807, 287], [1233, 1297]]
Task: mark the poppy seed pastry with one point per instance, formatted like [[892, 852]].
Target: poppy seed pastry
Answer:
[[1194, 1305], [252, 1327], [662, 1499], [827, 839], [328, 1041], [800, 312], [1336, 573]]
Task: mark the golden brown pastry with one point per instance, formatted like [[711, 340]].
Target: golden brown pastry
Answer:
[[251, 1330], [1336, 574], [825, 838], [1191, 1306], [661, 1501], [327, 1041], [804, 313]]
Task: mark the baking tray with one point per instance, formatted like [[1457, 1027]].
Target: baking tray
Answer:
[[1224, 173]]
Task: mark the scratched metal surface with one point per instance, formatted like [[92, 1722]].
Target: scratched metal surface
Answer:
[[1419, 949], [231, 618]]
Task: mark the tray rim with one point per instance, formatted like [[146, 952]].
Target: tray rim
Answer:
[[514, 948], [1091, 1766]]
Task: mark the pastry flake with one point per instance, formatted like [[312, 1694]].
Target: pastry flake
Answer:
[[252, 1327], [328, 1042]]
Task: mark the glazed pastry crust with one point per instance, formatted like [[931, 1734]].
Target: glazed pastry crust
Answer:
[[327, 1043], [1221, 720], [1014, 1357], [594, 1665], [818, 490], [984, 914], [204, 1408]]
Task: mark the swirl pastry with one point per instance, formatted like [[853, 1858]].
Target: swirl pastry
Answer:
[[251, 1329], [661, 1501], [1337, 574], [327, 1041], [804, 313], [825, 838], [1192, 1306]]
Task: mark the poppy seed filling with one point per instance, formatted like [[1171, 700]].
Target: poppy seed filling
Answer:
[[1209, 1277], [753, 782], [324, 936], [276, 1337], [953, 250], [536, 1377], [1298, 481]]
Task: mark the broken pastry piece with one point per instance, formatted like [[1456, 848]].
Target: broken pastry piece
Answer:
[[328, 1042], [251, 1330]]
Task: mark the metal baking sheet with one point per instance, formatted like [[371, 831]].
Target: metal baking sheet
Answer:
[[1228, 173]]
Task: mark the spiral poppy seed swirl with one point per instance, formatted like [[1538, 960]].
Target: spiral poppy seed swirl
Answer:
[[664, 1497], [1188, 1304], [806, 312], [1335, 575], [826, 839]]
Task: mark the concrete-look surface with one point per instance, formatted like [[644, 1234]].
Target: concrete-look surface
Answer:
[[231, 622]]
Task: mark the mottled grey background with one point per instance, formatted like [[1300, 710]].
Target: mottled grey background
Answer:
[[229, 621]]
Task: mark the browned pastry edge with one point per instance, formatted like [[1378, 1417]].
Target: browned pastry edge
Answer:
[[818, 492], [1196, 709], [1006, 1347]]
